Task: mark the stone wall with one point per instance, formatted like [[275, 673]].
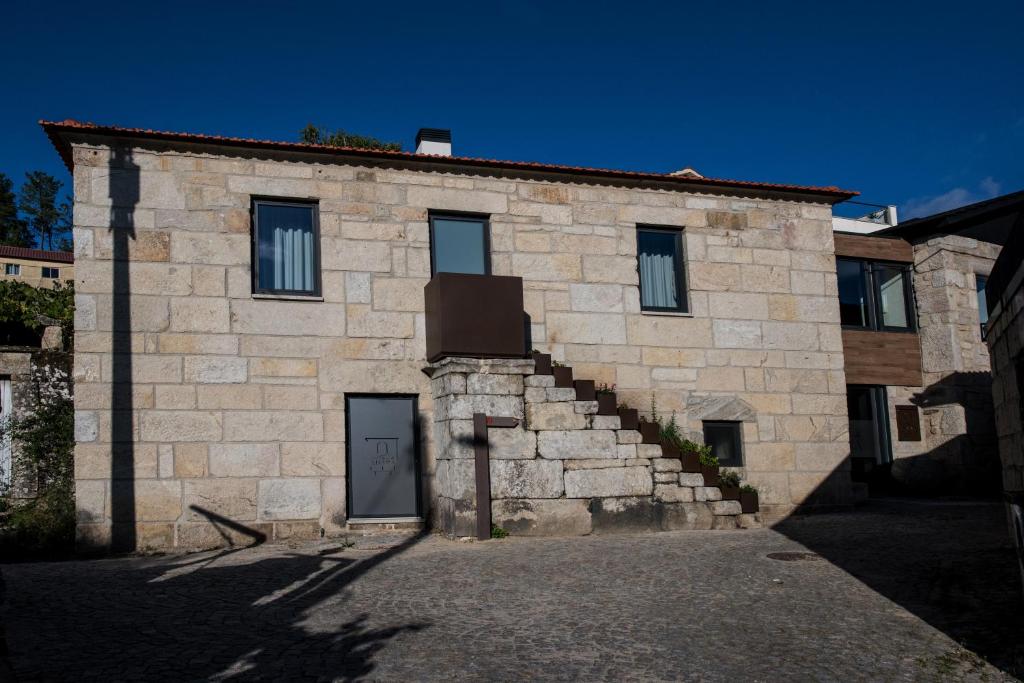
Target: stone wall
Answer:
[[1006, 340], [564, 470], [237, 402], [958, 447], [16, 365]]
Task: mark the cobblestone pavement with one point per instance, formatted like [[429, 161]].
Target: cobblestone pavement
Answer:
[[884, 593]]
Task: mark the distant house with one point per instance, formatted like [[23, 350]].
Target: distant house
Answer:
[[37, 267], [40, 269]]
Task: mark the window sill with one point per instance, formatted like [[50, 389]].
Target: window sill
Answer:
[[671, 314], [287, 297]]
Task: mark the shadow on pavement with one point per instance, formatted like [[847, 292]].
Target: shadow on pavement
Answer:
[[950, 563], [197, 619]]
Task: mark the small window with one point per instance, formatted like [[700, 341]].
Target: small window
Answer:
[[287, 248], [874, 296], [660, 263], [51, 273], [12, 269], [459, 244], [979, 286], [726, 441]]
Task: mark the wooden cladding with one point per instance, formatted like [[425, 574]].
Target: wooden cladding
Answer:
[[887, 358], [874, 248]]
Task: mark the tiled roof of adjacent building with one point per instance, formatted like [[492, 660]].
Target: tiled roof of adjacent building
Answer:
[[36, 254], [57, 130]]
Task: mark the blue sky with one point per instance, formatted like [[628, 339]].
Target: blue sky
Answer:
[[918, 104]]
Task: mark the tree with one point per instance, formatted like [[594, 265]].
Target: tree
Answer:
[[13, 230], [48, 218], [318, 135]]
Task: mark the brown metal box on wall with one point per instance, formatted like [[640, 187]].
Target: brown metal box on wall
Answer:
[[908, 424], [479, 316]]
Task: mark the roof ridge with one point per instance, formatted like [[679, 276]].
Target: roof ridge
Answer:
[[54, 129]]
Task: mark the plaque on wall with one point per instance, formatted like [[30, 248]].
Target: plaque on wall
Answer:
[[908, 423]]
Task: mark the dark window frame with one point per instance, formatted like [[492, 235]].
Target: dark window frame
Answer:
[[466, 217], [314, 206], [682, 281], [878, 398], [12, 269], [51, 272], [873, 287], [737, 438]]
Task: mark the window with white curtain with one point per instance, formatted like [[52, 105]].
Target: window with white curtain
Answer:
[[287, 248], [662, 276]]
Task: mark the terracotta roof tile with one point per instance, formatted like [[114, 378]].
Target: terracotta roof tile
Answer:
[[56, 130], [37, 254]]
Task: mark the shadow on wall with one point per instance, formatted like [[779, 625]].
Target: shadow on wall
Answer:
[[966, 464], [124, 196], [950, 563], [203, 618]]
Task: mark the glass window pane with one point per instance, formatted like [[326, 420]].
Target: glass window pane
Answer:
[[725, 439], [865, 431], [853, 293], [660, 263], [459, 246], [979, 286], [285, 248], [892, 296]]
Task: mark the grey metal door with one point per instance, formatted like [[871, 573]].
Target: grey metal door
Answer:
[[383, 467]]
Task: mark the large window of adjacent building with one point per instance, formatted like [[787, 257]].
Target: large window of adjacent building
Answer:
[[287, 248], [459, 244], [979, 286], [12, 269], [51, 273], [726, 441], [874, 295], [662, 274]]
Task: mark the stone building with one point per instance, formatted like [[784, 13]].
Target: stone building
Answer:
[[252, 335], [1005, 292], [912, 301]]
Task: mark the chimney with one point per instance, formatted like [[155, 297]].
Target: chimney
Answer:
[[436, 141]]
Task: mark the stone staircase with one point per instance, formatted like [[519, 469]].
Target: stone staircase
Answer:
[[578, 464]]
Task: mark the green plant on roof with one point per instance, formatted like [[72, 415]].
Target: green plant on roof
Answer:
[[319, 135]]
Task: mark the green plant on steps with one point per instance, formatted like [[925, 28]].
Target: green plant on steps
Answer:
[[729, 479], [747, 488], [604, 388], [707, 459], [498, 532]]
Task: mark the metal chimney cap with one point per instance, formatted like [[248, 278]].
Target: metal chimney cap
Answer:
[[434, 135]]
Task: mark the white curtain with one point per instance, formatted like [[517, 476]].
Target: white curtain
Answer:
[[658, 280], [293, 265]]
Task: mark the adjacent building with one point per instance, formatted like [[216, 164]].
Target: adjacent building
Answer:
[[1005, 337], [912, 302], [37, 267]]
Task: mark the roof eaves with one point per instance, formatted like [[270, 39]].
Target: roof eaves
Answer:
[[56, 130]]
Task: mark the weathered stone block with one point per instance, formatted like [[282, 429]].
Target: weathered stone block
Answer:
[[606, 422], [648, 450], [565, 517], [279, 425], [585, 407], [691, 479], [667, 465], [216, 370], [244, 460], [665, 478], [625, 451], [180, 425], [539, 381], [289, 499], [199, 314], [512, 444], [628, 436], [671, 493], [562, 445], [535, 394], [726, 507], [463, 407], [707, 493], [231, 498], [685, 516], [553, 416], [481, 383], [526, 479], [617, 481], [560, 394]]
